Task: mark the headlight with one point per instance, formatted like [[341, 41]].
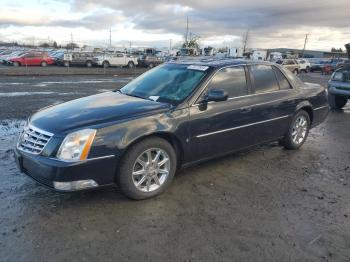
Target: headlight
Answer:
[[76, 145]]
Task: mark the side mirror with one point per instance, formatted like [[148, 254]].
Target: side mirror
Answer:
[[216, 95]]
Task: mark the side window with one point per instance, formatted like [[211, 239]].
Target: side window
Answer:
[[282, 80], [264, 79], [119, 55], [232, 80]]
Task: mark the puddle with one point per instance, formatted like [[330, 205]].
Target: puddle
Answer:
[[9, 132]]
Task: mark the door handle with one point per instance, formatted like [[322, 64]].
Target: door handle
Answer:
[[246, 109]]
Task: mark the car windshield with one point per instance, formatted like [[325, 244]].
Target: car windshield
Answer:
[[170, 83]]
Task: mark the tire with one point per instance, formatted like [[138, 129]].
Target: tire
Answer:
[[294, 140], [66, 63], [295, 71], [43, 64], [131, 64], [88, 64], [307, 70], [130, 164], [337, 102], [151, 65], [105, 64], [16, 64]]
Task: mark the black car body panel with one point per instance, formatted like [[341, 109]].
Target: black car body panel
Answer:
[[197, 130]]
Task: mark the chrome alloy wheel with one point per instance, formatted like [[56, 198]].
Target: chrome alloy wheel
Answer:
[[151, 169], [299, 129]]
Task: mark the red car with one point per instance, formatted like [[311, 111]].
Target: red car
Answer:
[[32, 59]]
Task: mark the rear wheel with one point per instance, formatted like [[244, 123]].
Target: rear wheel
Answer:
[[66, 63], [147, 168], [16, 64], [131, 64], [105, 64], [298, 131], [296, 71], [337, 102], [151, 65], [43, 64], [88, 64]]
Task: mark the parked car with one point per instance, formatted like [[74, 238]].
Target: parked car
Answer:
[[304, 65], [149, 61], [317, 64], [291, 64], [333, 64], [32, 59], [5, 58], [116, 59], [175, 115], [339, 87], [79, 59]]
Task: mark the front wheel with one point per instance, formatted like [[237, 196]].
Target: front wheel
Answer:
[[88, 64], [337, 102], [43, 64], [147, 168], [298, 131], [296, 71]]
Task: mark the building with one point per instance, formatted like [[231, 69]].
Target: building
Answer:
[[308, 53]]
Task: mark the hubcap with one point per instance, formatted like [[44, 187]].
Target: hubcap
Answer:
[[299, 130], [151, 170]]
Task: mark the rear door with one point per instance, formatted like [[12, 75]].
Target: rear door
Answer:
[[273, 102], [220, 127]]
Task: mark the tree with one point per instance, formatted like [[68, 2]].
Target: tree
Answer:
[[54, 44], [44, 45], [336, 49], [72, 46], [192, 42]]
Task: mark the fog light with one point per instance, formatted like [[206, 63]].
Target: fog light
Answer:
[[75, 185]]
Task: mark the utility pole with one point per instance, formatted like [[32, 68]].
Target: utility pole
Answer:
[[110, 38], [306, 38], [186, 42], [245, 41], [71, 40], [170, 44]]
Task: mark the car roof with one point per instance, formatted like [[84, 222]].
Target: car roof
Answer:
[[216, 62]]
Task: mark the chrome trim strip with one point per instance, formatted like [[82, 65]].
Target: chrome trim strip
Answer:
[[40, 130], [100, 157], [239, 127], [82, 161], [321, 107]]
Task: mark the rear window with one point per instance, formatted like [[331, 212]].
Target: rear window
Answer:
[[264, 79], [282, 80]]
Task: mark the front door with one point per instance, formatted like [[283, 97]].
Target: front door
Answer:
[[218, 127]]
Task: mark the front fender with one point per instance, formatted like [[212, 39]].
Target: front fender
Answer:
[[116, 138]]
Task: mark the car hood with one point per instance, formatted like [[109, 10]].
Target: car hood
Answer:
[[93, 110]]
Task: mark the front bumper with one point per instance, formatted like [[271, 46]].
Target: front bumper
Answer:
[[48, 171], [339, 88]]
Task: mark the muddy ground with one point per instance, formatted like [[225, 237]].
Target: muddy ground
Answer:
[[267, 204]]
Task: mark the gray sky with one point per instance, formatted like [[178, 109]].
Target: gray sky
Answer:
[[271, 23]]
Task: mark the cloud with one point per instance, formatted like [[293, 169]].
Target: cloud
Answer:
[[269, 21]]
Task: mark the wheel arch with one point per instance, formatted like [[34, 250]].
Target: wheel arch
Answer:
[[306, 106], [169, 137]]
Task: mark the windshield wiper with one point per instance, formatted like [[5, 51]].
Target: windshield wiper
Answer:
[[133, 95]]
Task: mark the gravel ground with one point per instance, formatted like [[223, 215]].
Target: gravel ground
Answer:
[[267, 204]]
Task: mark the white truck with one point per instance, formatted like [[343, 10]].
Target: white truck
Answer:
[[259, 55], [116, 59]]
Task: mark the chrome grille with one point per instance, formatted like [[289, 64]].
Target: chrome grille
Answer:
[[33, 140]]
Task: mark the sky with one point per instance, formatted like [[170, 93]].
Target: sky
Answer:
[[156, 23]]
